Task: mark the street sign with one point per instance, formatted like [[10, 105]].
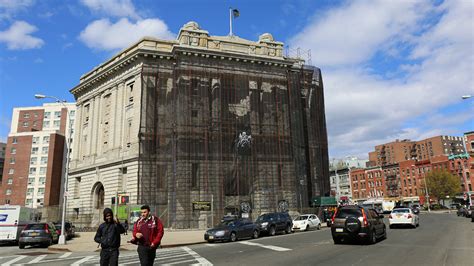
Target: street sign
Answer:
[[201, 205]]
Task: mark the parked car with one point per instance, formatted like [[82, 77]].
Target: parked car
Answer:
[[271, 223], [403, 216], [69, 229], [415, 209], [232, 230], [38, 233], [305, 222], [358, 223]]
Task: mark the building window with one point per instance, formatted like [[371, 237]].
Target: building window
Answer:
[[33, 160], [13, 150], [44, 160], [29, 201], [30, 191], [25, 124], [36, 140], [72, 113], [10, 181], [8, 192], [12, 160], [44, 150], [77, 187], [47, 115], [34, 150], [195, 175], [42, 180], [56, 123], [14, 141], [45, 139], [57, 114], [31, 180], [26, 115], [11, 171], [130, 92], [45, 124], [32, 170], [42, 171], [41, 190]]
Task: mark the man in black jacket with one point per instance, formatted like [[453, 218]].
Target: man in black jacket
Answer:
[[108, 236]]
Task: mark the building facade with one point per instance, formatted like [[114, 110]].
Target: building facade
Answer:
[[402, 150], [35, 152], [223, 121], [3, 147], [341, 184]]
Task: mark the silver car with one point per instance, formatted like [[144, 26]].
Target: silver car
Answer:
[[44, 234]]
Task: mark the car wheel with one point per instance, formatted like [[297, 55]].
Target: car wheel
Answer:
[[384, 235], [233, 237], [373, 238], [21, 246], [288, 229], [391, 226], [319, 227], [255, 234], [210, 241], [272, 231], [337, 240], [307, 228]]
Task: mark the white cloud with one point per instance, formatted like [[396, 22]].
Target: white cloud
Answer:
[[18, 36], [115, 8], [9, 7], [104, 35], [434, 50]]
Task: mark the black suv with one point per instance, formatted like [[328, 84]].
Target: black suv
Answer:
[[357, 223], [271, 223]]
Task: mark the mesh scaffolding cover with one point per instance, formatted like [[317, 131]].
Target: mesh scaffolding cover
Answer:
[[244, 138]]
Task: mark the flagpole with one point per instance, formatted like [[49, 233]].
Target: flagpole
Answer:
[[230, 21]]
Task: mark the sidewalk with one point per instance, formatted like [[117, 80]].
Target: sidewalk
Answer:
[[84, 241]]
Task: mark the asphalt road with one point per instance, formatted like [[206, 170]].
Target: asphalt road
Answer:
[[441, 239]]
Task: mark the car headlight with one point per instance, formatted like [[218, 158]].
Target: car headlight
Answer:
[[264, 224], [219, 233]]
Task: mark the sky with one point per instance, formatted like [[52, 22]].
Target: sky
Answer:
[[391, 69]]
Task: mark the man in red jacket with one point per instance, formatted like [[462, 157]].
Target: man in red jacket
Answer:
[[147, 234]]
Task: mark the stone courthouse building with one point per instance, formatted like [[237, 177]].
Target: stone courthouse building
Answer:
[[198, 128]]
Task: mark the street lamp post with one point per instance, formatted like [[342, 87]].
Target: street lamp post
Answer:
[[62, 237], [427, 196]]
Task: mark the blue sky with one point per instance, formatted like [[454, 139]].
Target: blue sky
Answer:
[[391, 69]]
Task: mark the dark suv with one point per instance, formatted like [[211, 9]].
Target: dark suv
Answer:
[[357, 223], [271, 223]]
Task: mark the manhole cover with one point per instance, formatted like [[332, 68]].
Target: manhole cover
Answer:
[[35, 253]]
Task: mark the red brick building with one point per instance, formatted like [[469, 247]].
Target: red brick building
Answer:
[[34, 155]]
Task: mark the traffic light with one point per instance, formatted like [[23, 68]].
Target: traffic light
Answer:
[[124, 199]]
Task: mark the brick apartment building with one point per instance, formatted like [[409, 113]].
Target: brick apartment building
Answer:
[[34, 156], [2, 159], [396, 177], [401, 150]]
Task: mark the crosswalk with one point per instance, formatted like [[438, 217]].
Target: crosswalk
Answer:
[[169, 256]]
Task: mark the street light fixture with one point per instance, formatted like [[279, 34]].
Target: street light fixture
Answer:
[[62, 237]]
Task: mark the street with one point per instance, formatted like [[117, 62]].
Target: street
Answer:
[[441, 239]]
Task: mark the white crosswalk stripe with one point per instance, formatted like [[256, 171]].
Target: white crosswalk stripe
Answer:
[[276, 248], [38, 259], [10, 262]]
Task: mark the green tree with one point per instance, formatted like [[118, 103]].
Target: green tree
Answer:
[[442, 183]]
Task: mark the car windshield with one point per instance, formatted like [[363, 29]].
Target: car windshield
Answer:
[[263, 217], [228, 223], [35, 227], [302, 217], [346, 213], [401, 211]]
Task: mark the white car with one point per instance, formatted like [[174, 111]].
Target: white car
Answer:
[[305, 222], [403, 216]]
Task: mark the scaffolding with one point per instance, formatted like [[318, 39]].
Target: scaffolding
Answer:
[[246, 138]]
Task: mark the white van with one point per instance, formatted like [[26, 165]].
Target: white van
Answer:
[[12, 220]]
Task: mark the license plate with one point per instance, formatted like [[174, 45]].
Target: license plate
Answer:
[[399, 215], [211, 237], [33, 234], [339, 230]]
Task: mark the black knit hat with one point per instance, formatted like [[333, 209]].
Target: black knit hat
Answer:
[[107, 211]]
